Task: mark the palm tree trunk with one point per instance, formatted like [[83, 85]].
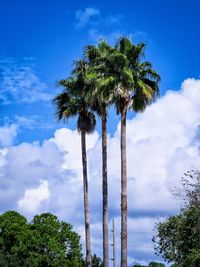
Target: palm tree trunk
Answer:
[[105, 188], [86, 202], [123, 190]]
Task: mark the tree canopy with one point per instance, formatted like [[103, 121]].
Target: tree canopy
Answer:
[[45, 242], [151, 264], [189, 191], [177, 239], [72, 102], [119, 74]]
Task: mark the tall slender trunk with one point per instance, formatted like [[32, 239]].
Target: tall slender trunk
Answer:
[[123, 190], [86, 202], [105, 188]]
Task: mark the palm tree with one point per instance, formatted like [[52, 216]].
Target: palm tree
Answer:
[[71, 102], [100, 98], [137, 86], [131, 84]]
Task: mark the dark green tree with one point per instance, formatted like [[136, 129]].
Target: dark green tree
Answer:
[[12, 224], [96, 261], [156, 264], [151, 264], [44, 242], [177, 239], [70, 103]]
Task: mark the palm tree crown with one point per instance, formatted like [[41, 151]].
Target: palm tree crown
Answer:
[[71, 102]]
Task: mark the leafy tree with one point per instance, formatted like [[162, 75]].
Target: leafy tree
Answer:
[[156, 264], [12, 224], [189, 191], [96, 261], [178, 238], [72, 102], [44, 242], [151, 264]]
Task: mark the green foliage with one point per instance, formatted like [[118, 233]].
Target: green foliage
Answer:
[[156, 264], [119, 76], [178, 238], [189, 191], [151, 264], [96, 261], [43, 242], [72, 101]]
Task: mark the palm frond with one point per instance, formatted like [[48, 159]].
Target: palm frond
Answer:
[[65, 107], [124, 45], [127, 77], [91, 53]]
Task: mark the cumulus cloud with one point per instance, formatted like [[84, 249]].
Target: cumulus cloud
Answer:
[[99, 26], [84, 16], [34, 197], [8, 134], [97, 35], [162, 143], [19, 82]]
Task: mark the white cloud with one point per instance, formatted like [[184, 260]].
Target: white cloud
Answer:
[[8, 134], [14, 125], [113, 19], [84, 16], [97, 35], [32, 122], [162, 143], [92, 17], [34, 197], [19, 82]]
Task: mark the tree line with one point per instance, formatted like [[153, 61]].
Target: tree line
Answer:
[[107, 76], [43, 242]]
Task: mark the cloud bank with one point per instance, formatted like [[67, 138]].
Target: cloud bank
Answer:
[[8, 134], [162, 143]]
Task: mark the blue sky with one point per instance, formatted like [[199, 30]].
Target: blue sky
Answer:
[[38, 42], [51, 33]]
